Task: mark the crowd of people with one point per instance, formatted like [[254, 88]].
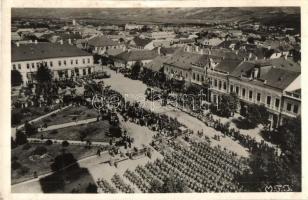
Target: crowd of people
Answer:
[[105, 187], [120, 185]]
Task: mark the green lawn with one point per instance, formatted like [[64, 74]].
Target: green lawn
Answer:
[[21, 115], [42, 165], [95, 131], [69, 115]]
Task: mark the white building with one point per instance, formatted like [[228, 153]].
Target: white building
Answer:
[[65, 61]]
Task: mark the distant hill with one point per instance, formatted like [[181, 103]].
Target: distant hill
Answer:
[[165, 15]]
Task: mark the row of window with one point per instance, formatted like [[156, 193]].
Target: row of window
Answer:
[[198, 77], [73, 72], [295, 108], [250, 95], [50, 64], [219, 84]]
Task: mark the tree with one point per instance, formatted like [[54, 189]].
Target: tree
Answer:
[[16, 117], [233, 102], [257, 114], [30, 129], [21, 138], [115, 131], [251, 40], [16, 78], [91, 188], [227, 105], [65, 143], [290, 144], [44, 74], [62, 161], [136, 70]]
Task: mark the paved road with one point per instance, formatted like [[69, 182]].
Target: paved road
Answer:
[[135, 92], [75, 123]]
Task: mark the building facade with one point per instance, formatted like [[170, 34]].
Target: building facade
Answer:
[[65, 61]]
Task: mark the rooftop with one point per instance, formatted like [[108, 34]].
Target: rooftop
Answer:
[[44, 50], [101, 41], [137, 55]]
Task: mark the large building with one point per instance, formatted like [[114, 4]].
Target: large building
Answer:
[[101, 44], [64, 60], [274, 83]]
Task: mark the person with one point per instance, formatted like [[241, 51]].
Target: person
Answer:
[[35, 174]]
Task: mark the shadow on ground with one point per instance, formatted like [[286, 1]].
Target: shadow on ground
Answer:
[[70, 179]]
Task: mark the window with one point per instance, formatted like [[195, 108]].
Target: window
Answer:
[[215, 83], [268, 100], [219, 85], [250, 94], [84, 72], [277, 102], [225, 85], [231, 88], [28, 66], [89, 70], [194, 76], [83, 61], [289, 107], [76, 61], [237, 90], [37, 65], [243, 92], [214, 98], [72, 62], [64, 62], [14, 67], [32, 64], [59, 62], [51, 63], [295, 109], [88, 60], [198, 77], [258, 97], [19, 66], [202, 78]]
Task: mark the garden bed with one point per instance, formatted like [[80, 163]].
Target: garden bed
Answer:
[[95, 131], [71, 114], [26, 167]]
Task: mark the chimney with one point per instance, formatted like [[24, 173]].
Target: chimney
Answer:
[[61, 41], [256, 72], [35, 41], [69, 41], [17, 44], [158, 50]]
